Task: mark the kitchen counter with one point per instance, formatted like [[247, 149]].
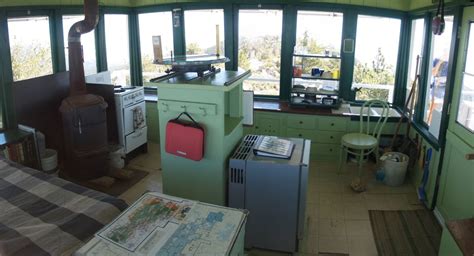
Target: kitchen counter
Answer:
[[284, 107]]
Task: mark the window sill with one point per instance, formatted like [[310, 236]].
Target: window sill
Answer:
[[432, 140]]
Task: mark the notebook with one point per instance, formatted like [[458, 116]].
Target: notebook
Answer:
[[271, 146]]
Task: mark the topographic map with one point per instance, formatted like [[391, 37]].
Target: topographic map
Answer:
[[150, 212], [163, 225]]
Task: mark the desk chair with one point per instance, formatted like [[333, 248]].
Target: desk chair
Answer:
[[366, 141]]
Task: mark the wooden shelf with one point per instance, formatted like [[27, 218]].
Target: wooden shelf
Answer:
[[323, 92]]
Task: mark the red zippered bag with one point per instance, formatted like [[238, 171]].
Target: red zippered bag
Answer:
[[184, 138]]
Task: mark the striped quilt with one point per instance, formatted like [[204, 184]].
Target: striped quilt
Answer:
[[44, 215]]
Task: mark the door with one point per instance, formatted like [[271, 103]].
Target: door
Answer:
[[462, 112], [455, 200], [134, 118]]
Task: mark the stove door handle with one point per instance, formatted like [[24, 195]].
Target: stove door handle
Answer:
[[80, 125]]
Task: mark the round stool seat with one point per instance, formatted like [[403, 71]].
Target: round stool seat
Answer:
[[359, 141]]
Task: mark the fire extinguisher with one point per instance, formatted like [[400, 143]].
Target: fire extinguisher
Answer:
[[438, 23]]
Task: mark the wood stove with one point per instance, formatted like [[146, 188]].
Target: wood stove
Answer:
[[84, 115]]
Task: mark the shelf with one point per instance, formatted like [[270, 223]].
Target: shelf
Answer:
[[321, 56], [315, 105], [316, 78], [322, 92]]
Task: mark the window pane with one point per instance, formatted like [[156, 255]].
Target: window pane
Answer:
[[466, 100], [260, 49], [154, 24], [319, 40], [200, 30], [416, 49], [376, 57], [30, 47], [117, 46], [439, 59], [87, 41]]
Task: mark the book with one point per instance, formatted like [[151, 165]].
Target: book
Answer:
[[271, 146]]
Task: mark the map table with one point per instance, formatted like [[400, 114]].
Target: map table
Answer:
[[158, 224]]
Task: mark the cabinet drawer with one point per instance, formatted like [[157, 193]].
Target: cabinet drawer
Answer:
[[333, 124], [299, 133], [190, 107], [328, 137], [267, 125], [324, 149], [301, 122]]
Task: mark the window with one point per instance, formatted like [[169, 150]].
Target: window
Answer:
[[416, 51], [319, 40], [117, 45], [87, 41], [465, 116], [260, 49], [437, 77], [376, 55], [148, 23], [30, 47], [202, 28]]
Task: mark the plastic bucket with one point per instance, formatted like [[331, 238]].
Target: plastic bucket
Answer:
[[116, 157], [49, 161], [395, 166]]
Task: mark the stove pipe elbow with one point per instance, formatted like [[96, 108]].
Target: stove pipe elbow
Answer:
[[76, 67]]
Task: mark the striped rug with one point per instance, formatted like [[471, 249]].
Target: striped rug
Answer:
[[407, 233]]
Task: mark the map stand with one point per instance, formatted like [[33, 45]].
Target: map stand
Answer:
[[195, 63], [157, 224]]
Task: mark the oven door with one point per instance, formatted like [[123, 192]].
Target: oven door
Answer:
[[134, 118]]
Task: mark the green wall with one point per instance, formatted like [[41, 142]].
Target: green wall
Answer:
[[403, 5]]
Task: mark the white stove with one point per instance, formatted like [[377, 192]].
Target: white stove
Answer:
[[131, 117]]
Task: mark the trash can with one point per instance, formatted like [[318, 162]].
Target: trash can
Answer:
[[395, 166], [49, 161], [116, 156]]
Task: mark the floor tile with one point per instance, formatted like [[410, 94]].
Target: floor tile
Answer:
[[331, 211], [358, 228], [332, 227], [356, 211], [362, 246], [333, 244]]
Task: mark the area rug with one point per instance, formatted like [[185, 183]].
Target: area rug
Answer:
[[407, 233], [117, 188]]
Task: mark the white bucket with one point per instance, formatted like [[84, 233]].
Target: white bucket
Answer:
[[116, 157], [394, 170], [49, 161]]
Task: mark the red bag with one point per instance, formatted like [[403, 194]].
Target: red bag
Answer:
[[185, 139]]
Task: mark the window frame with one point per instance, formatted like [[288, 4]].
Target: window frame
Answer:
[[52, 20], [398, 84], [418, 122], [131, 44], [284, 87]]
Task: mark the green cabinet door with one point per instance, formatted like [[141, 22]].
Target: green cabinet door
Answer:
[[152, 122], [267, 124], [456, 200]]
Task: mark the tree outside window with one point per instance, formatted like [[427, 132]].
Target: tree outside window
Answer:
[[376, 57], [260, 49], [30, 47]]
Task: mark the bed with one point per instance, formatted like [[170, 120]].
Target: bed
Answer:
[[44, 215]]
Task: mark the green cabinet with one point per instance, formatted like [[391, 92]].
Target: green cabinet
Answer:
[[152, 122], [456, 189], [267, 123], [218, 109]]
